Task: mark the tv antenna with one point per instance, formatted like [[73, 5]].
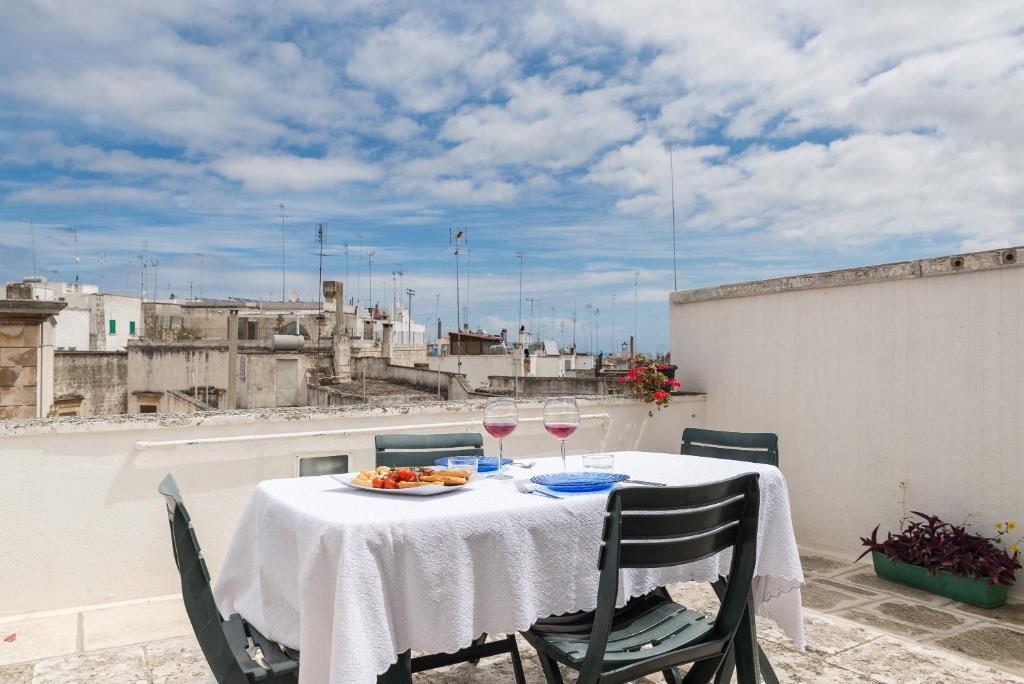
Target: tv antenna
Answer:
[[202, 262], [284, 217], [359, 271], [369, 274], [100, 258], [73, 236], [155, 265], [409, 292], [672, 177], [532, 302], [32, 231], [458, 238], [519, 255]]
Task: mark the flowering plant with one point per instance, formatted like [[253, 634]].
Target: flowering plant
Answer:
[[936, 545], [648, 382]]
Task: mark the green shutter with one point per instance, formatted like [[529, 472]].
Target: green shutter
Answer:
[[113, 327], [131, 327]]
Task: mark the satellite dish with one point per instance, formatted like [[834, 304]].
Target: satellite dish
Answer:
[[293, 296]]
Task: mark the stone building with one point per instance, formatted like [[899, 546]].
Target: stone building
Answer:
[[27, 333]]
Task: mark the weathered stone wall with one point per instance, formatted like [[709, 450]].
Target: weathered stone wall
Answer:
[[101, 378], [552, 387], [19, 350]]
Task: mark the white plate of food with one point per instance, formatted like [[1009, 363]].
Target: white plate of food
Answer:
[[407, 481]]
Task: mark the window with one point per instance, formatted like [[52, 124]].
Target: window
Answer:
[[131, 327], [113, 326], [147, 408]]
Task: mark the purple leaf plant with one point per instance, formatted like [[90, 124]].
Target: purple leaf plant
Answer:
[[937, 545]]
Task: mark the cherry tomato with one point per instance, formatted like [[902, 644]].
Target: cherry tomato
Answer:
[[405, 475], [377, 483], [390, 484], [428, 470]]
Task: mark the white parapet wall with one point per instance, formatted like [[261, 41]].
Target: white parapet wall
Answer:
[[83, 523], [905, 373]]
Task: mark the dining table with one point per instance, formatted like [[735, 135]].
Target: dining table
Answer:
[[351, 578]]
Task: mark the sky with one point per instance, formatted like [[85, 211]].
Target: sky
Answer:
[[803, 136]]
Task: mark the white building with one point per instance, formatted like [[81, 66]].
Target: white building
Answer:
[[92, 320]]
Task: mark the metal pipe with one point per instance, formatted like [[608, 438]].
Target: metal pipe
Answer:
[[144, 445]]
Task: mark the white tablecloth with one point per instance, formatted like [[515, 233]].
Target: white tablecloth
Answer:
[[351, 578]]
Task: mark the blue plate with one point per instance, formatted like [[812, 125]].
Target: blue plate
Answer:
[[578, 482], [487, 464]]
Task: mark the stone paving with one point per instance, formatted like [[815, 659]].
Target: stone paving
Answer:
[[859, 629]]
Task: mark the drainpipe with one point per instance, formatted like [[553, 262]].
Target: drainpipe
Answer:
[[232, 358]]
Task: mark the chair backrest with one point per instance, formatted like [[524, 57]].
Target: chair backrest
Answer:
[[416, 451], [651, 527], [753, 447], [196, 590]]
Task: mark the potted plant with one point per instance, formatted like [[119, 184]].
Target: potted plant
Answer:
[[647, 381], [947, 559]]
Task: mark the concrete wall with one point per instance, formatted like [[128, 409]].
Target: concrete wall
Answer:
[[72, 332], [180, 365], [476, 368], [452, 385], [83, 523], [553, 387], [100, 377], [105, 308], [908, 377], [408, 354]]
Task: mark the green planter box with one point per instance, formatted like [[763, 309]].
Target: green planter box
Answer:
[[966, 589]]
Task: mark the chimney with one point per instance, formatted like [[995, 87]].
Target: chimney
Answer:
[[385, 346]]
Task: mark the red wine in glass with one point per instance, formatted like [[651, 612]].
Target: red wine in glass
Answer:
[[499, 430], [560, 430], [561, 418], [500, 418]]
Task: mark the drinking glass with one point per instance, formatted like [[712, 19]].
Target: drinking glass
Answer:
[[561, 418], [500, 418]]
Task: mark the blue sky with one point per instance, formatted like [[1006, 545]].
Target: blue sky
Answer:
[[806, 136]]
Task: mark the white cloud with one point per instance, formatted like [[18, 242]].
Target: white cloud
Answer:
[[263, 173], [94, 194], [426, 68]]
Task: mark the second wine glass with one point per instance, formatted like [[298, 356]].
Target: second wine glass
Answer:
[[500, 418], [561, 418]]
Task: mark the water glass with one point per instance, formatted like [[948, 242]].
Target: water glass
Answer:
[[598, 461]]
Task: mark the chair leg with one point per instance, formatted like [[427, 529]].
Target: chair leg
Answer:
[[517, 662], [745, 649], [767, 671], [551, 672], [478, 642], [724, 674], [400, 672], [672, 676], [702, 671]]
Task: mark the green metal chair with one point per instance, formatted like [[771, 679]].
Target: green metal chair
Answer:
[[224, 642], [750, 447], [416, 451], [661, 527]]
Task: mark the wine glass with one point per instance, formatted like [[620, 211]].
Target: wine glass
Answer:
[[500, 418], [561, 418]]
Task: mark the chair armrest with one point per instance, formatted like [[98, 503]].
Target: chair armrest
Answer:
[[276, 659], [234, 631]]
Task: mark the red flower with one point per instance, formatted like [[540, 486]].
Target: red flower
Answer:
[[674, 383], [620, 380], [660, 395], [633, 372], [663, 366]]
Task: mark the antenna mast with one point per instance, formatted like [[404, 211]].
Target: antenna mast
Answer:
[[283, 217], [672, 175]]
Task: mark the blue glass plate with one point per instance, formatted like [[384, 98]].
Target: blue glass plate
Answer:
[[578, 482], [488, 464]]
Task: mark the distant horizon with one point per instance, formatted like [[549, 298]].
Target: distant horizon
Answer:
[[803, 139]]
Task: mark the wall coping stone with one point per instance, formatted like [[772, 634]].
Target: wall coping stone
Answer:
[[901, 270]]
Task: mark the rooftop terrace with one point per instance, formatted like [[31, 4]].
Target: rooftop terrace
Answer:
[[860, 629], [901, 389]]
